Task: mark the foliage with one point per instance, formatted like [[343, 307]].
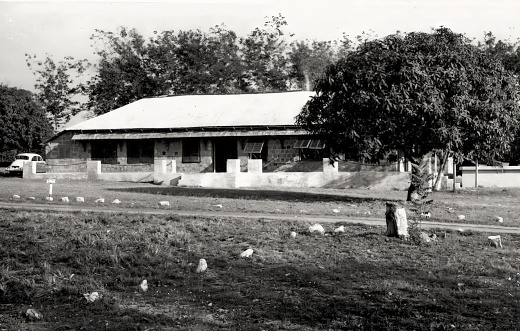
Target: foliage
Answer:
[[56, 86], [23, 122], [417, 93]]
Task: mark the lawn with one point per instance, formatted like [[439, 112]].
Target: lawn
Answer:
[[357, 280]]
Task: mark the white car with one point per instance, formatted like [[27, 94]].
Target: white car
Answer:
[[16, 166]]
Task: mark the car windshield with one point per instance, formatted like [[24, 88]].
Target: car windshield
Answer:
[[22, 157]]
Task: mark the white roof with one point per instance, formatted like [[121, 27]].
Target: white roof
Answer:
[[194, 111]]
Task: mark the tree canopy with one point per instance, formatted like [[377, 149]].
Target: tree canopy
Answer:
[[24, 125], [417, 93]]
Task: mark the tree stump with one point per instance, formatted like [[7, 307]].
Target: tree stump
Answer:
[[396, 223]]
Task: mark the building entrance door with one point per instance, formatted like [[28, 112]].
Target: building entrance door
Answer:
[[223, 150]]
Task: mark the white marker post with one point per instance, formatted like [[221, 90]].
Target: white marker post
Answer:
[[50, 182]]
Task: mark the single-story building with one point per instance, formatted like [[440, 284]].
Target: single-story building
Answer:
[[199, 132]]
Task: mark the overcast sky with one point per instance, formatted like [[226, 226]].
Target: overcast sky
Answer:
[[63, 28]]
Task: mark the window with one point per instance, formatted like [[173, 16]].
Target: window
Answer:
[[302, 143], [254, 147], [104, 151], [140, 151], [317, 144], [190, 151]]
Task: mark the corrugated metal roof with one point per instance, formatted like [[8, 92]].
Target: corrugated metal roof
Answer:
[[188, 111]]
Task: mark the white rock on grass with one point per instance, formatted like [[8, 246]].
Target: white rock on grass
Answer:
[[340, 229], [203, 266], [91, 297], [64, 199], [16, 196], [495, 241], [33, 314], [293, 234], [426, 215], [461, 217], [218, 206], [335, 211], [247, 253], [31, 198], [164, 203], [80, 199], [116, 201], [499, 219], [316, 228], [144, 285], [100, 200], [49, 198]]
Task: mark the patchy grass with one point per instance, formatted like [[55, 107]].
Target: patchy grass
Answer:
[[479, 206], [359, 280]]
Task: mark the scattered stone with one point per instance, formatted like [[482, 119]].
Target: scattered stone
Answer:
[[499, 219], [335, 211], [202, 266], [426, 215], [91, 297], [100, 200], [218, 206], [293, 234], [33, 314], [317, 228], [16, 196], [340, 229], [144, 285], [450, 210], [49, 198], [460, 230], [424, 237], [31, 198], [116, 201], [495, 241], [247, 253], [64, 199], [461, 217], [366, 213], [80, 199], [164, 203]]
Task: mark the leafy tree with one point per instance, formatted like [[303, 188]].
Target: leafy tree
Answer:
[[56, 87], [308, 60], [125, 71], [417, 93], [264, 54], [24, 125]]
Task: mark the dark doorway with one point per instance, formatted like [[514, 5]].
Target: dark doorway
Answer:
[[224, 149]]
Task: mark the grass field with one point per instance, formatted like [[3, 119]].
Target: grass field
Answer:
[[357, 280]]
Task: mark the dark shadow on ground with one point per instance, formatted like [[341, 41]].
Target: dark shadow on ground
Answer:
[[250, 194]]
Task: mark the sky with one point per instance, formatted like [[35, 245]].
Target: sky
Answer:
[[63, 28]]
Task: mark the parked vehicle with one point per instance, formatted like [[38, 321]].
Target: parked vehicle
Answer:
[[16, 166]]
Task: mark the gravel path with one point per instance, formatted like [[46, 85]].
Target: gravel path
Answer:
[[303, 218]]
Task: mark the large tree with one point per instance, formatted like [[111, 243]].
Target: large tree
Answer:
[[24, 125], [418, 93], [56, 86]]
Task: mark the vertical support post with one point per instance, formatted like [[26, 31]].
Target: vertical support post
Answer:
[[454, 174], [476, 172]]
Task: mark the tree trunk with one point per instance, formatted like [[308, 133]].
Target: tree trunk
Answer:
[[420, 183], [396, 222]]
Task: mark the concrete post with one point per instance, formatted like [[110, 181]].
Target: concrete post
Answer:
[[233, 166], [328, 168], [93, 170], [29, 168], [159, 166], [254, 166]]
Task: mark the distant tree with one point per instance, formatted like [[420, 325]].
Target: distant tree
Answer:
[[417, 93], [24, 125], [124, 71], [56, 87], [264, 53], [308, 60]]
